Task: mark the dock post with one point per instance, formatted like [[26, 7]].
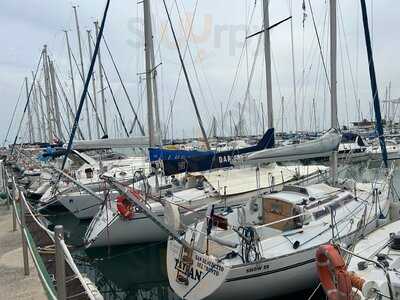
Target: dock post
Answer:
[[12, 200], [24, 241], [60, 263]]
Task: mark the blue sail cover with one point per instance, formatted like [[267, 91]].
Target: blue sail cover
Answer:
[[156, 154], [195, 161]]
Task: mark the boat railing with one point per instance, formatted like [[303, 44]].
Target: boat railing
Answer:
[[52, 259]]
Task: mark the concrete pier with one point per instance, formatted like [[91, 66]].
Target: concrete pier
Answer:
[[13, 283]]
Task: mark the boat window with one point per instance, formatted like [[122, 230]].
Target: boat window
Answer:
[[295, 189], [334, 205]]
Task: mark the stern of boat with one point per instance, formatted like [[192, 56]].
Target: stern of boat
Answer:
[[194, 276]]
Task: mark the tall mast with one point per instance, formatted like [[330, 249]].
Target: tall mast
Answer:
[[149, 69], [293, 69], [42, 113], [154, 75], [83, 70], [334, 117], [374, 86], [30, 123], [71, 70], [47, 94], [93, 83], [55, 101], [36, 108], [283, 111], [101, 76], [222, 121], [267, 54]]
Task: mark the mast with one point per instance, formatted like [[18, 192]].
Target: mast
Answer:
[[283, 110], [93, 83], [222, 121], [82, 69], [47, 94], [42, 112], [154, 75], [101, 76], [70, 112], [199, 120], [293, 69], [55, 101], [30, 124], [333, 50], [314, 115], [263, 117], [230, 123], [374, 86], [36, 108], [267, 54], [150, 96], [71, 70], [240, 122]]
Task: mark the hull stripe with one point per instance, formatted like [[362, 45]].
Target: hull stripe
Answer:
[[273, 271]]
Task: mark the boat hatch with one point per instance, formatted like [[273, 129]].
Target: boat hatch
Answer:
[[275, 210], [295, 189]]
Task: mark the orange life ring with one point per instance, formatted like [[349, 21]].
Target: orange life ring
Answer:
[[333, 274], [125, 208]]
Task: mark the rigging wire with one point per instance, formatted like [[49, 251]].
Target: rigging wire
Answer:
[[348, 59], [319, 44], [13, 114], [27, 103], [343, 76], [187, 77], [123, 87], [115, 101], [86, 86], [88, 93], [238, 66], [192, 59], [172, 101]]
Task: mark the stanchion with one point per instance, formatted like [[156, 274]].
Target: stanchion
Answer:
[[24, 242], [60, 263], [12, 200], [14, 219], [4, 184]]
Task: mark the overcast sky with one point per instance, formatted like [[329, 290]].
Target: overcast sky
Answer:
[[220, 61]]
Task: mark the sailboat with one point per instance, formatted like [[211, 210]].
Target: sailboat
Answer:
[[320, 147], [111, 227], [179, 161], [267, 248], [270, 243]]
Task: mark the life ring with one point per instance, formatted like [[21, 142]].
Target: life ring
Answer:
[[333, 274], [125, 208]]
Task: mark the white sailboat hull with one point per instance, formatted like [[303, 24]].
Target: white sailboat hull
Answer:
[[278, 276], [109, 228], [140, 229], [285, 269]]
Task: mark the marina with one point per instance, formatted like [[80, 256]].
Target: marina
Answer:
[[154, 162]]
